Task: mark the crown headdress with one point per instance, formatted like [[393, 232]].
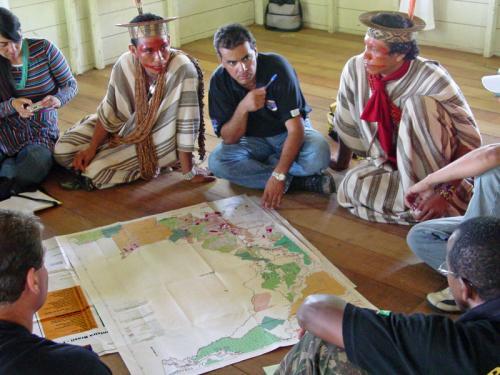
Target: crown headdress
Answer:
[[147, 28]]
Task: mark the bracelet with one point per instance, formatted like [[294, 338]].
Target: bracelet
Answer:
[[190, 175], [445, 190]]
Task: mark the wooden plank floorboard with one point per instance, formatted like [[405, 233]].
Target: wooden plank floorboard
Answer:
[[374, 256]]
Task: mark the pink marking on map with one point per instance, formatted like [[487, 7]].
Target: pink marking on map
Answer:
[[261, 301]]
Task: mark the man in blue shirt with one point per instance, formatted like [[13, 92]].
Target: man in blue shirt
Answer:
[[257, 107], [382, 342], [23, 290]]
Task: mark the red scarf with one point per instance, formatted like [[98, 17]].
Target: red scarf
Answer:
[[382, 110]]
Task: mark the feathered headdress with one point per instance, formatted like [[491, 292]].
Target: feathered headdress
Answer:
[[147, 28]]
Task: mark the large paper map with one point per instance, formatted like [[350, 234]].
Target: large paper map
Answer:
[[202, 287]]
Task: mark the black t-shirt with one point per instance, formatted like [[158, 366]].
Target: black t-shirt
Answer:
[[284, 99], [387, 343], [24, 353]]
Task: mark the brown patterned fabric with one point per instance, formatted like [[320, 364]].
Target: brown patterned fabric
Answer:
[[436, 121]]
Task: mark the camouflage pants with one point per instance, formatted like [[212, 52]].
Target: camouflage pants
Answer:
[[314, 356]]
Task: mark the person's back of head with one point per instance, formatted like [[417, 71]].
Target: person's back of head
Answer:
[[475, 255], [20, 250], [231, 36]]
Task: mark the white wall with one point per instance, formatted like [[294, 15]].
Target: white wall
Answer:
[[315, 13], [348, 12], [90, 38], [96, 41], [115, 40], [197, 19], [200, 19], [47, 19], [496, 41], [460, 24]]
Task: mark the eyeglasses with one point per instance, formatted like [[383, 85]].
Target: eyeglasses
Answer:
[[443, 270]]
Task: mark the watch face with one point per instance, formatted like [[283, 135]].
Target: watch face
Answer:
[[189, 176], [279, 176]]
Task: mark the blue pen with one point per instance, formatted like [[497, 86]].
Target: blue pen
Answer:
[[273, 78]]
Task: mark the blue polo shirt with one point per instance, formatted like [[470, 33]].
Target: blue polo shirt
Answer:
[[388, 343], [284, 98]]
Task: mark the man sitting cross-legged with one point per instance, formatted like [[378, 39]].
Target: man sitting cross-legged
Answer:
[[407, 116], [381, 342], [257, 107], [150, 117], [23, 290]]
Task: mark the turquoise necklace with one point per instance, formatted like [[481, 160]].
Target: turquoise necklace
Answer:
[[24, 75]]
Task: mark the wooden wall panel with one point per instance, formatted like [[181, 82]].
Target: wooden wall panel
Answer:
[[315, 14], [201, 21], [460, 24], [115, 40], [46, 19]]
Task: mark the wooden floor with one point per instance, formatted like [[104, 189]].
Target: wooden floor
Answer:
[[374, 256]]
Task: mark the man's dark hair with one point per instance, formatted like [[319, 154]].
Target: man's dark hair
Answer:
[[10, 28], [231, 36], [143, 18], [397, 21], [475, 255], [20, 250]]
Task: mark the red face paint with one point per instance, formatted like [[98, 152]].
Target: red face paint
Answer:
[[153, 53], [377, 58]]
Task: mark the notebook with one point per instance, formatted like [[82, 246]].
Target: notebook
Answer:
[[29, 202]]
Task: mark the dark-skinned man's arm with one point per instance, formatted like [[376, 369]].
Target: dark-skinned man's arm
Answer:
[[322, 315]]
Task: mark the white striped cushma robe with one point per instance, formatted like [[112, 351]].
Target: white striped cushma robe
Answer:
[[436, 121], [176, 126]]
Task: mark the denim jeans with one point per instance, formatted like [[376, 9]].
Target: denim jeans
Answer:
[[428, 239], [28, 167], [251, 161]]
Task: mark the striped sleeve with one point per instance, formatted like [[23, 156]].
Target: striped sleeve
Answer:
[[118, 105], [6, 108], [59, 68], [188, 115], [344, 122]]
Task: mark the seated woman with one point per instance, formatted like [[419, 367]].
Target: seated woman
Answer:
[[35, 80]]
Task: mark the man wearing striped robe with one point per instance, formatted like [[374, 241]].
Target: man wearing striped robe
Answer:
[[407, 117], [149, 118]]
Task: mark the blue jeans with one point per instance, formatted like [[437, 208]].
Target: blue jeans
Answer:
[[28, 167], [428, 239], [251, 161]]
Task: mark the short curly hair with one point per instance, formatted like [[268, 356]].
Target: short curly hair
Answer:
[[231, 36], [20, 250], [475, 255]]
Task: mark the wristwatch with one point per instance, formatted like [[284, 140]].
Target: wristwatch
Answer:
[[190, 175], [279, 176]]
